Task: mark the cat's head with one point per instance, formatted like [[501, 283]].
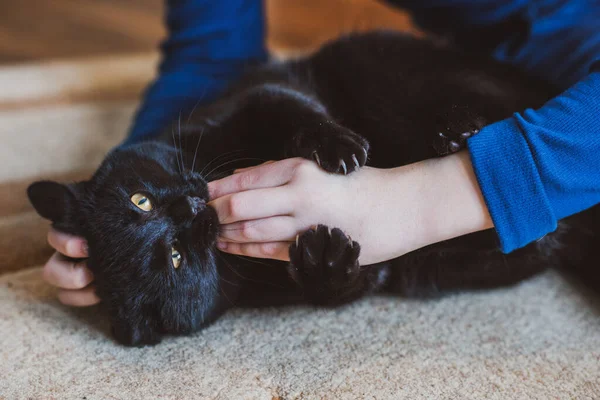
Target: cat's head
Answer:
[[151, 240]]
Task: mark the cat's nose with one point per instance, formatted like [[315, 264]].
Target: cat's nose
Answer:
[[186, 208]]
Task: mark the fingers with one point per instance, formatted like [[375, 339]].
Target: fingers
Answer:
[[272, 250], [274, 229], [262, 176], [72, 277], [68, 245], [253, 204], [79, 298], [66, 274]]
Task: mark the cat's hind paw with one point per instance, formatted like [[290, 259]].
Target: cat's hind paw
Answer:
[[324, 262], [454, 127]]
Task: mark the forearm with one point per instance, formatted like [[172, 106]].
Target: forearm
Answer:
[[453, 203], [209, 44], [412, 206]]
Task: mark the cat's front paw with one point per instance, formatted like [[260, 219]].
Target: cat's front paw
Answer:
[[454, 127], [324, 262], [335, 148]]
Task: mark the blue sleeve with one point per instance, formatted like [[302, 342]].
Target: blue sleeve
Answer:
[[209, 43], [539, 165]]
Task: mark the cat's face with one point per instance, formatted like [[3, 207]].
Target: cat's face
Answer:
[[151, 240]]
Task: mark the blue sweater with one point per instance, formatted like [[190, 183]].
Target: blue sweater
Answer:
[[534, 168]]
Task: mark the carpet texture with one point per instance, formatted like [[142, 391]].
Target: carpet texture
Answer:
[[539, 340]]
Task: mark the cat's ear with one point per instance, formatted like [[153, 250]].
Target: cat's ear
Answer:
[[57, 202]]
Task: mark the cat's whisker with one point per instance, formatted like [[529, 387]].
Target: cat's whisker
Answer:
[[230, 153], [215, 285], [176, 151], [227, 297], [233, 161], [197, 147], [189, 118], [228, 281], [180, 144], [233, 269], [195, 106]]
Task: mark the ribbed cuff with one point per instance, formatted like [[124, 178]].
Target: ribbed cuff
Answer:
[[511, 185]]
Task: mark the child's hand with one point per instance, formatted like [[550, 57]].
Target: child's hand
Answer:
[[73, 279], [263, 208], [389, 212]]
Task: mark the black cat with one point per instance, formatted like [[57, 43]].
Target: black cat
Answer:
[[382, 99]]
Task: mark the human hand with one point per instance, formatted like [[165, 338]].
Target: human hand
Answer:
[[73, 278], [389, 212], [263, 208]]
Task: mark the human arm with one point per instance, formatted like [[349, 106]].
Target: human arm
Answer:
[[539, 165], [208, 45], [390, 212]]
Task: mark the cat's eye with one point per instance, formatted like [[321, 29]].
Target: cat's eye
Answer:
[[141, 201], [175, 257]]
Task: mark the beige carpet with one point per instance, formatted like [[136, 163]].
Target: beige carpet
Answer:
[[540, 340]]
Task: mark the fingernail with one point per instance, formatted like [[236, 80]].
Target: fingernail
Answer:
[[222, 245], [84, 248]]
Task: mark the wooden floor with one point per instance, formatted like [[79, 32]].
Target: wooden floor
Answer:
[[33, 30]]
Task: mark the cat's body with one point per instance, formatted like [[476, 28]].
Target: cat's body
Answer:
[[396, 98]]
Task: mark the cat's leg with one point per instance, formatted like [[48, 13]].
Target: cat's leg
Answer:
[[462, 264], [453, 126], [283, 122], [324, 263]]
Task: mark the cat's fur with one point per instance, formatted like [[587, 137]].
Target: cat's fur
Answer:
[[395, 98]]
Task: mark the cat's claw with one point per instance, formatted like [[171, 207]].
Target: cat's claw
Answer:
[[455, 126], [334, 147], [343, 167], [356, 163], [453, 147], [316, 157]]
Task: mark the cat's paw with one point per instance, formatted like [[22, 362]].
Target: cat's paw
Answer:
[[324, 262], [454, 127], [335, 148]]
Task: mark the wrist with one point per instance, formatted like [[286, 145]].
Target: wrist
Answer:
[[398, 210], [453, 204], [388, 205]]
